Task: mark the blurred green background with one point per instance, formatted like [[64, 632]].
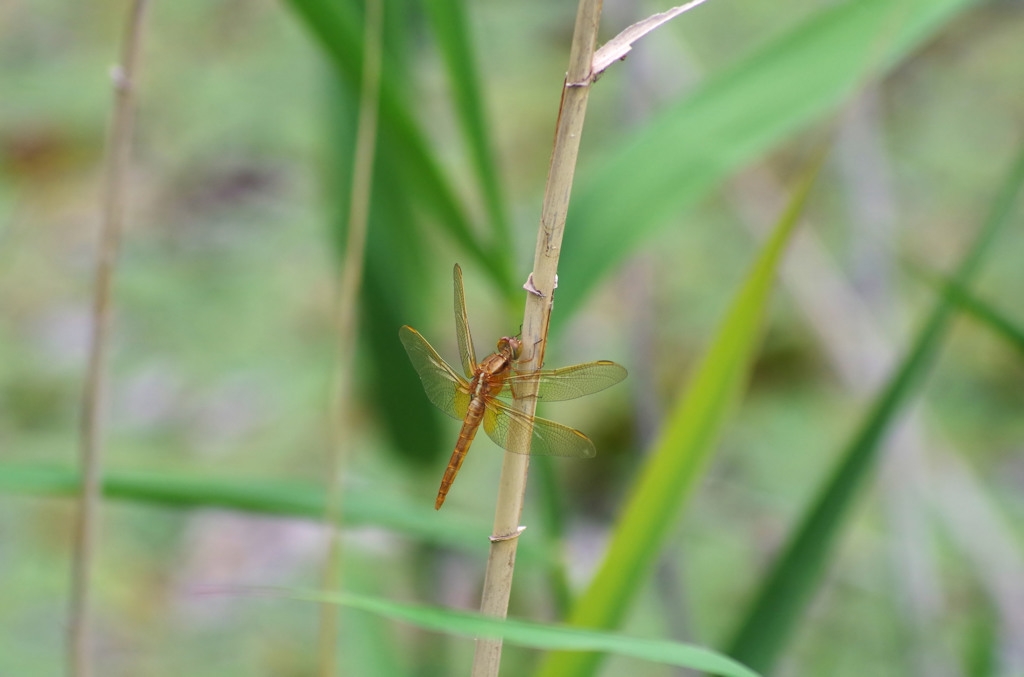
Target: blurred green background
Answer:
[[224, 348]]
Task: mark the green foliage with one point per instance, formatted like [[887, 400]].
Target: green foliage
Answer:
[[681, 453], [285, 499], [334, 27], [197, 312], [448, 20], [956, 293], [730, 119], [797, 573], [539, 636]]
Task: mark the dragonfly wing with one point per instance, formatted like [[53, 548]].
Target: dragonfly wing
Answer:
[[568, 383], [466, 353], [505, 425], [448, 391]]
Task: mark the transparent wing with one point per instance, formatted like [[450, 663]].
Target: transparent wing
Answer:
[[568, 383], [466, 353], [448, 391], [502, 424]]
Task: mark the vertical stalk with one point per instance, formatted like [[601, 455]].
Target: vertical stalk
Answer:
[[346, 318], [94, 390], [512, 486]]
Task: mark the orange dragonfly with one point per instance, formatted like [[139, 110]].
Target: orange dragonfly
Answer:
[[473, 397]]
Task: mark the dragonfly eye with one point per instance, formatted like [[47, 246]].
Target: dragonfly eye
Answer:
[[511, 346]]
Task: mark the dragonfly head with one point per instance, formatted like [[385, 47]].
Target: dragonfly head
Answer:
[[510, 347]]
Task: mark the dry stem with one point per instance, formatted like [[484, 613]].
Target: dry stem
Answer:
[[512, 487], [348, 295], [94, 392]]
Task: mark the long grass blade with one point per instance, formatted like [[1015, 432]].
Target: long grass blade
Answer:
[[731, 119], [796, 574], [536, 635], [681, 453], [392, 290], [983, 312], [279, 498], [335, 28], [448, 20]]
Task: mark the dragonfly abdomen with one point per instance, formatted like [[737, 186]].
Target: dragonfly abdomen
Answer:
[[466, 435]]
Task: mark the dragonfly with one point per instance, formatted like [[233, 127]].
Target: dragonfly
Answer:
[[475, 396]]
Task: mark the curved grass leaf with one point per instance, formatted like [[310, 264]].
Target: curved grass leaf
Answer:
[[360, 507], [392, 289], [680, 455], [983, 312], [665, 167], [394, 294], [797, 572], [536, 635], [286, 499], [448, 20], [334, 27]]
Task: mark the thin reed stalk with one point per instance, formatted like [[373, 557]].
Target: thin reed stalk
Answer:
[[512, 486], [115, 190], [346, 318]]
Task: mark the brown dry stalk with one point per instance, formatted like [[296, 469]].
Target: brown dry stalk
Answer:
[[512, 486], [348, 299], [94, 394]]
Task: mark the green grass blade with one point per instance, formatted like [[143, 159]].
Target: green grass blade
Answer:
[[360, 506], [169, 490], [982, 311], [395, 390], [289, 499], [536, 635], [335, 28], [448, 20], [790, 584], [553, 515], [392, 286], [680, 455], [665, 167]]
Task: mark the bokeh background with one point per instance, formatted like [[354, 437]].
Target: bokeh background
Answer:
[[224, 346]]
